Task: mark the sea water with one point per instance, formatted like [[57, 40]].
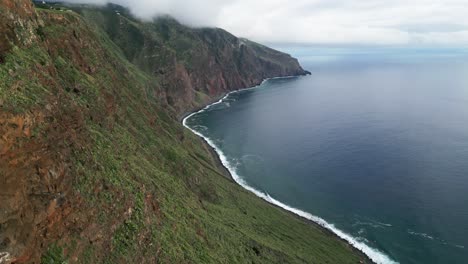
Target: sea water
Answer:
[[373, 146]]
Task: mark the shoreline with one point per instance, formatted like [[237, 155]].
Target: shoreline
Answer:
[[220, 98], [369, 254]]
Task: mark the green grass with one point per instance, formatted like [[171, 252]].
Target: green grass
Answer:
[[147, 183], [17, 92], [54, 255]]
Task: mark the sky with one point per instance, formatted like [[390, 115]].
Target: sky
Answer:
[[337, 22]]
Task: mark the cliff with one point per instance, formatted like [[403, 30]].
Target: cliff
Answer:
[[96, 168], [193, 65]]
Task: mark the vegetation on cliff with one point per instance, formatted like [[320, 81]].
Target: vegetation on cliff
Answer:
[[94, 164]]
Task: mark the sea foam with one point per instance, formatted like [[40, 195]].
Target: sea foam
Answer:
[[374, 254]]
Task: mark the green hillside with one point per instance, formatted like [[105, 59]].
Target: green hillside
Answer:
[[95, 166]]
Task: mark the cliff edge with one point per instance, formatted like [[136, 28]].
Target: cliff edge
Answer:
[[193, 65], [94, 164]]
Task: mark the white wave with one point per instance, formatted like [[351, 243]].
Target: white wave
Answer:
[[361, 231], [200, 128], [363, 239], [384, 224], [374, 254], [235, 163], [453, 245], [436, 239], [424, 235], [373, 224]]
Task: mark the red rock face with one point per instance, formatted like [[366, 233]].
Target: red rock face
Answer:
[[34, 186], [236, 66], [37, 202], [214, 61], [22, 8], [18, 21], [35, 183]]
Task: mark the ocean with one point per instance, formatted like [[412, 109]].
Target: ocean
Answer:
[[373, 146]]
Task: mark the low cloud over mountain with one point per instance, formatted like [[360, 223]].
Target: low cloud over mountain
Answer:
[[435, 22]]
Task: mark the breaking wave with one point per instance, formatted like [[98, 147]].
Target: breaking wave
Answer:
[[374, 254]]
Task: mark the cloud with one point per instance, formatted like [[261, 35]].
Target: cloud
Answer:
[[191, 12], [385, 22]]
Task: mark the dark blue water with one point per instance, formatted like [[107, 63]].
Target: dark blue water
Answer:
[[374, 142]]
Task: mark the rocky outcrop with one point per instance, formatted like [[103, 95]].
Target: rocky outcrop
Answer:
[[96, 168], [57, 53], [17, 21], [191, 62], [36, 195]]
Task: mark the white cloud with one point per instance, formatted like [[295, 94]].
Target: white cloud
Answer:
[[191, 12], [442, 22]]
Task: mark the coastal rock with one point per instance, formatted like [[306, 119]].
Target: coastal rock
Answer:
[[191, 62], [94, 163]]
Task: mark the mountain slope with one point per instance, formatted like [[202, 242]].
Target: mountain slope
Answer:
[[189, 62], [96, 168]]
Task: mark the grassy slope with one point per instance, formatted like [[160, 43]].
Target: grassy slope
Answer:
[[143, 188], [214, 60]]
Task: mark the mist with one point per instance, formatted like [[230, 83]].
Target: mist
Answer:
[[397, 22], [189, 12]]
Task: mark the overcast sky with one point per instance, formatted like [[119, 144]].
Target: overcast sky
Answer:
[[383, 22]]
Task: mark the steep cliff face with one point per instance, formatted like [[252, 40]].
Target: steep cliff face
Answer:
[[94, 165], [16, 15], [193, 64], [40, 127]]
